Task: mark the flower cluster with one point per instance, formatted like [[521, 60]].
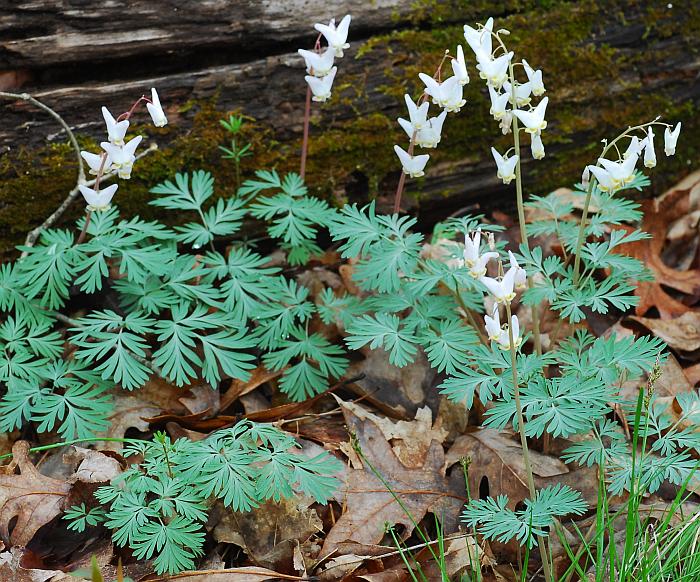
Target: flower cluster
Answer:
[[509, 98], [424, 131], [319, 65], [502, 289], [117, 155], [613, 175]]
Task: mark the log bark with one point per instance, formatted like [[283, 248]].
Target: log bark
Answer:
[[631, 60]]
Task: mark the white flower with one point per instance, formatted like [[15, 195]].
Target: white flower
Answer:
[[499, 101], [649, 152], [447, 94], [534, 120], [495, 71], [430, 135], [321, 87], [605, 180], [115, 130], [472, 244], [98, 199], [412, 165], [506, 166], [318, 65], [522, 93], [472, 257], [502, 290], [336, 37], [585, 177], [635, 148], [94, 161], [156, 111], [506, 124], [122, 157], [493, 325], [536, 146], [504, 336], [670, 139], [535, 79], [417, 114], [478, 269], [459, 67], [479, 40], [520, 274], [621, 173]]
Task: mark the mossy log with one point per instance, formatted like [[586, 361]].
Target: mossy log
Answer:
[[607, 64]]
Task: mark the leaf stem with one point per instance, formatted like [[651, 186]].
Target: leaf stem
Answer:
[[523, 442], [73, 442]]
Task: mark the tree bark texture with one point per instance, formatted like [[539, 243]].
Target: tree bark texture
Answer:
[[607, 64]]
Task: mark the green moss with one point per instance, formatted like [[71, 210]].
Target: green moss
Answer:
[[595, 91]]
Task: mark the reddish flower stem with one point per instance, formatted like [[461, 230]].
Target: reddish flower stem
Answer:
[[307, 118], [128, 114]]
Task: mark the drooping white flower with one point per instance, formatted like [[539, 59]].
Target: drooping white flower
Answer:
[[605, 180], [520, 273], [94, 162], [506, 124], [447, 94], [522, 93], [156, 111], [622, 173], [472, 245], [430, 135], [634, 148], [459, 67], [535, 79], [321, 87], [98, 199], [418, 114], [495, 72], [479, 40], [534, 120], [502, 290], [536, 146], [115, 130], [318, 65], [504, 336], [585, 177], [493, 325], [506, 166], [499, 101], [336, 36], [412, 165], [478, 269], [670, 139], [649, 152], [122, 157]]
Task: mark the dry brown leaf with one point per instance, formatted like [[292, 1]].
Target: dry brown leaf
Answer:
[[410, 439], [243, 574], [269, 533], [681, 333], [369, 505], [693, 374], [261, 375], [30, 497], [397, 392], [11, 570], [91, 466], [658, 215], [497, 464]]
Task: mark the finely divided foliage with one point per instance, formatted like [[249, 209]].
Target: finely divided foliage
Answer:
[[202, 302]]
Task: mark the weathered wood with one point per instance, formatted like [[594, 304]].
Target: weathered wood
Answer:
[[607, 64]]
